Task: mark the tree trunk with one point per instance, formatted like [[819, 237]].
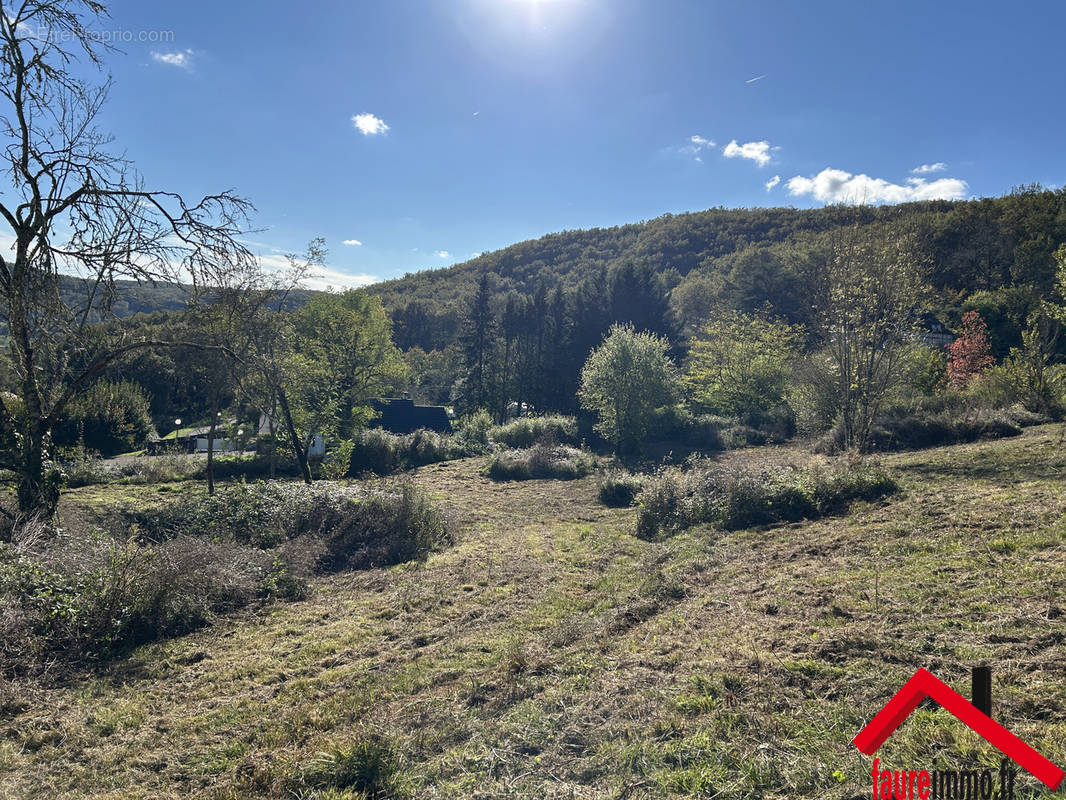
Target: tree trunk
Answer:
[[301, 453], [38, 487]]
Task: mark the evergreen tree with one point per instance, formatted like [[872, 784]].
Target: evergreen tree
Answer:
[[478, 343]]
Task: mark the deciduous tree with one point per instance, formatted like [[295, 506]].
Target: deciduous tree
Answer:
[[73, 207], [971, 352], [625, 381], [866, 289], [739, 363]]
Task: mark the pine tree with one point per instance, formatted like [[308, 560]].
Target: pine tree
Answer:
[[478, 343]]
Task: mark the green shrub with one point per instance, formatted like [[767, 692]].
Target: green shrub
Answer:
[[921, 428], [168, 571], [527, 431], [382, 453], [540, 461], [98, 594], [110, 418], [619, 489], [338, 461], [674, 499], [368, 526], [473, 430]]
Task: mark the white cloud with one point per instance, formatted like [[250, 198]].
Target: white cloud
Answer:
[[770, 184], [443, 254], [181, 59], [696, 145], [352, 243], [320, 278], [369, 125], [838, 186], [475, 255], [759, 152], [925, 169]]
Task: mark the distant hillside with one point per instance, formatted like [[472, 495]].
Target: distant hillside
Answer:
[[134, 297], [973, 245]]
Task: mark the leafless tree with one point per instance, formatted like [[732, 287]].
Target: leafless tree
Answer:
[[79, 219]]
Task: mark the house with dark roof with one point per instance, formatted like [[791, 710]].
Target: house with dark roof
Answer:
[[401, 415]]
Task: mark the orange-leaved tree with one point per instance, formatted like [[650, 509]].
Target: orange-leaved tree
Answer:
[[971, 352]]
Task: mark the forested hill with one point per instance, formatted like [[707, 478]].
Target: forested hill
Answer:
[[975, 245], [135, 297], [131, 297]]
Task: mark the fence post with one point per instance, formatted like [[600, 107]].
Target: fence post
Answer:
[[981, 689]]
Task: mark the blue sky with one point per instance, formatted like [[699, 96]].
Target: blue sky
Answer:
[[430, 130]]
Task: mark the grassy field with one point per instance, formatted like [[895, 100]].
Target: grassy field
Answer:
[[551, 653]]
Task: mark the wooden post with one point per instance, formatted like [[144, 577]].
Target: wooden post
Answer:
[[981, 689]]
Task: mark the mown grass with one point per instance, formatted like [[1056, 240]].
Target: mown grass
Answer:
[[551, 653]]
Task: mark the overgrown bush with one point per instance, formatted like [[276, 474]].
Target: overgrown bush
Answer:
[[89, 596], [84, 468], [920, 428], [110, 418], [473, 430], [385, 526], [540, 461], [527, 431], [382, 453], [376, 451], [366, 526], [675, 499], [619, 489], [168, 571]]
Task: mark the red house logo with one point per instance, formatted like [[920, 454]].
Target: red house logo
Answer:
[[924, 684]]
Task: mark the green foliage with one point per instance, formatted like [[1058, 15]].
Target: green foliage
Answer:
[[619, 488], [473, 429], [540, 461], [866, 287], [110, 418], [1005, 311], [1029, 371], [338, 461], [527, 431], [365, 527], [923, 368], [343, 357], [739, 364], [625, 381], [381, 453], [906, 429], [673, 500]]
